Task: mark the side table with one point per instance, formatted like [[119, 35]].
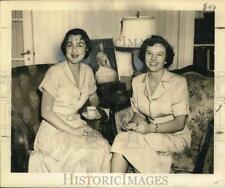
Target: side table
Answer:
[[116, 101]]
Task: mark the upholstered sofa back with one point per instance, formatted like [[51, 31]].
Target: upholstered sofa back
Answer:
[[201, 92], [26, 97], [26, 116]]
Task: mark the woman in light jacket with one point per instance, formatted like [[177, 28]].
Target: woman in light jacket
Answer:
[[161, 106], [64, 142]]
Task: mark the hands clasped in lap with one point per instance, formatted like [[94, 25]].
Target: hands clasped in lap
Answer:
[[141, 127]]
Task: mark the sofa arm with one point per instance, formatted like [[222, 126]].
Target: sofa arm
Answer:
[[204, 163], [19, 145]]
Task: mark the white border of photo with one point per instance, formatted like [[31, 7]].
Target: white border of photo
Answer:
[[9, 179]]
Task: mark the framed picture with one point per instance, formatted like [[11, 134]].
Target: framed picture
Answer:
[[103, 61]]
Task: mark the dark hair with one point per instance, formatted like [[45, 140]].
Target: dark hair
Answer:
[[155, 39], [84, 37]]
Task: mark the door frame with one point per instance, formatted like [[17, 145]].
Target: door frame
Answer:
[[28, 38]]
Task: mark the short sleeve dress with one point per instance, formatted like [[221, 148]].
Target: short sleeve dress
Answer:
[[151, 153], [59, 151]]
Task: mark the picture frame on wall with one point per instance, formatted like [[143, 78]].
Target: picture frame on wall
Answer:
[[102, 60]]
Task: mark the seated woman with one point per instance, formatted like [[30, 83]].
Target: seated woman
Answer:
[[64, 142], [160, 105]]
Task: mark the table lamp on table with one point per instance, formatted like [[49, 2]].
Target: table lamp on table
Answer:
[[134, 30]]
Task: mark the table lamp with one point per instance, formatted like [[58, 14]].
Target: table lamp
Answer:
[[134, 30]]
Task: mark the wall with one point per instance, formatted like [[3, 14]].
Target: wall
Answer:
[[49, 28]]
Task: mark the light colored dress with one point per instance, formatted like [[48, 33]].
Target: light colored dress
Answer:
[[58, 151], [152, 152]]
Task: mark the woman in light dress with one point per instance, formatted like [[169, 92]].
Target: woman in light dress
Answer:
[[160, 104], [64, 142]]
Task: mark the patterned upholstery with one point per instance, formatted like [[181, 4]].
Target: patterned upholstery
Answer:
[[201, 91], [26, 97], [26, 117]]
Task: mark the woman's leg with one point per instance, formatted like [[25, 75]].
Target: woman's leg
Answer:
[[118, 163]]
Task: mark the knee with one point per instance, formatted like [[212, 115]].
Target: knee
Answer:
[[35, 162]]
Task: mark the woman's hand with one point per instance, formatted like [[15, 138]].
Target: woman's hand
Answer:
[[88, 131], [142, 127], [128, 126]]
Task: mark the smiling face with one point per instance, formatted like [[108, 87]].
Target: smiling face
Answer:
[[155, 57], [75, 49]]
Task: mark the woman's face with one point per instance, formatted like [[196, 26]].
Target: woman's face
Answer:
[[155, 57], [75, 49]]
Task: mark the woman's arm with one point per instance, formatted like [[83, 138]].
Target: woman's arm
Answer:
[[175, 125], [137, 118], [94, 100], [49, 116]]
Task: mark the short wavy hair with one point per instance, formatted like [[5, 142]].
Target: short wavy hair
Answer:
[[84, 37], [155, 39]]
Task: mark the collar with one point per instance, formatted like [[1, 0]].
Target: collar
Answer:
[[161, 88], [166, 77], [69, 73]]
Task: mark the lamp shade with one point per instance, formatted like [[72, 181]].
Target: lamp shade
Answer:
[[134, 30]]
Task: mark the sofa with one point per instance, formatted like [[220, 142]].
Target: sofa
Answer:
[[199, 157], [26, 102], [25, 113]]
